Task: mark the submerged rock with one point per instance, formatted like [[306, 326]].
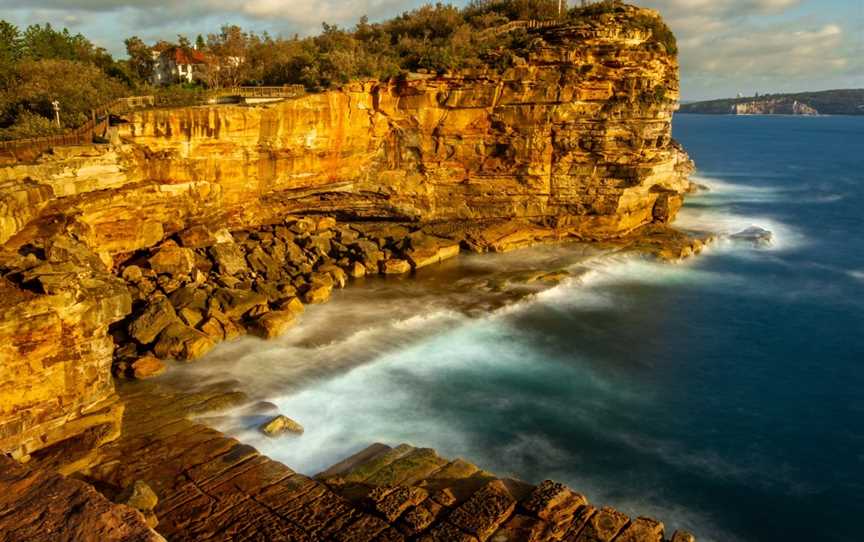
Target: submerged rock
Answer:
[[281, 424], [754, 235]]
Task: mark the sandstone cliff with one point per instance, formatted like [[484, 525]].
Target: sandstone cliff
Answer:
[[573, 138]]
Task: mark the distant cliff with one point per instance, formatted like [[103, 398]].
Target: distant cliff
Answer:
[[829, 102]]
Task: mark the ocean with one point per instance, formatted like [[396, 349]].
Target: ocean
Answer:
[[724, 394]]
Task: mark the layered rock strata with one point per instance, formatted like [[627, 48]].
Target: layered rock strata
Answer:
[[211, 487], [57, 301], [576, 134], [190, 232], [39, 506]]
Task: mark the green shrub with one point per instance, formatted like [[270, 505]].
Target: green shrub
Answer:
[[29, 125], [659, 31]]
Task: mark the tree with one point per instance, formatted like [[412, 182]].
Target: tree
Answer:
[[229, 49], [10, 49], [141, 62]]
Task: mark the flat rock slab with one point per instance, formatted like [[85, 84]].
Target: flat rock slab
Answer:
[[38, 505], [213, 488]]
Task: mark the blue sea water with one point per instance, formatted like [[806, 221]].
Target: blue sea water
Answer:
[[724, 395]]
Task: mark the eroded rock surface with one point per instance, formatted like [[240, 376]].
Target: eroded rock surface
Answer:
[[37, 506], [211, 487]]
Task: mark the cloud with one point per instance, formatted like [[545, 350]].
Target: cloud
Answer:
[[774, 45]]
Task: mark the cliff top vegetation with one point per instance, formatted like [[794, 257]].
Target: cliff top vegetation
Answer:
[[41, 64]]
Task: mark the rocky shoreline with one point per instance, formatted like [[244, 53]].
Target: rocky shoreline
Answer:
[[197, 225]]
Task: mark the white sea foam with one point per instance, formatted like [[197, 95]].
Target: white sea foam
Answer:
[[370, 365], [857, 274]]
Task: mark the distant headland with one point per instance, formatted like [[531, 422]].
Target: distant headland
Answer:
[[828, 102]]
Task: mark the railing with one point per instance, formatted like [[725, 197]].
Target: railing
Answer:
[[532, 24], [285, 91], [23, 149], [84, 134]]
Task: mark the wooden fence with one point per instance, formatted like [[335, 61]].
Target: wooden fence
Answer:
[[97, 126], [533, 24], [286, 91], [22, 149]]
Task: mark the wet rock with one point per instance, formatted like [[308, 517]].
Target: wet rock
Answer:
[[521, 528], [393, 502], [316, 294], [281, 424], [357, 270], [683, 536], [553, 499], [235, 303], [183, 343], [755, 236], [292, 305], [428, 250], [642, 530], [395, 266], [340, 278], [606, 524], [484, 511], [150, 323], [147, 367], [274, 324]]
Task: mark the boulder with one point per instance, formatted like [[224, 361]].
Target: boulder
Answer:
[[263, 264], [292, 305], [431, 251], [234, 303], [139, 496], [147, 367], [368, 253], [357, 270], [183, 343], [228, 258], [317, 293], [340, 278], [395, 266], [150, 323], [133, 274], [274, 323], [683, 536], [190, 316], [280, 425], [172, 260], [62, 248], [755, 236], [323, 223], [199, 237]]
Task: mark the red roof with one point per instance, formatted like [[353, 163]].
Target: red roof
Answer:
[[189, 56]]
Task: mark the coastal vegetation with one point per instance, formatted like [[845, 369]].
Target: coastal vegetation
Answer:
[[41, 64]]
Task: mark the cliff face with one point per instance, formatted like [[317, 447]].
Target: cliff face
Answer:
[[783, 106], [575, 136]]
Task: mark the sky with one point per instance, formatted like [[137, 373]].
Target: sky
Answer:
[[726, 46]]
